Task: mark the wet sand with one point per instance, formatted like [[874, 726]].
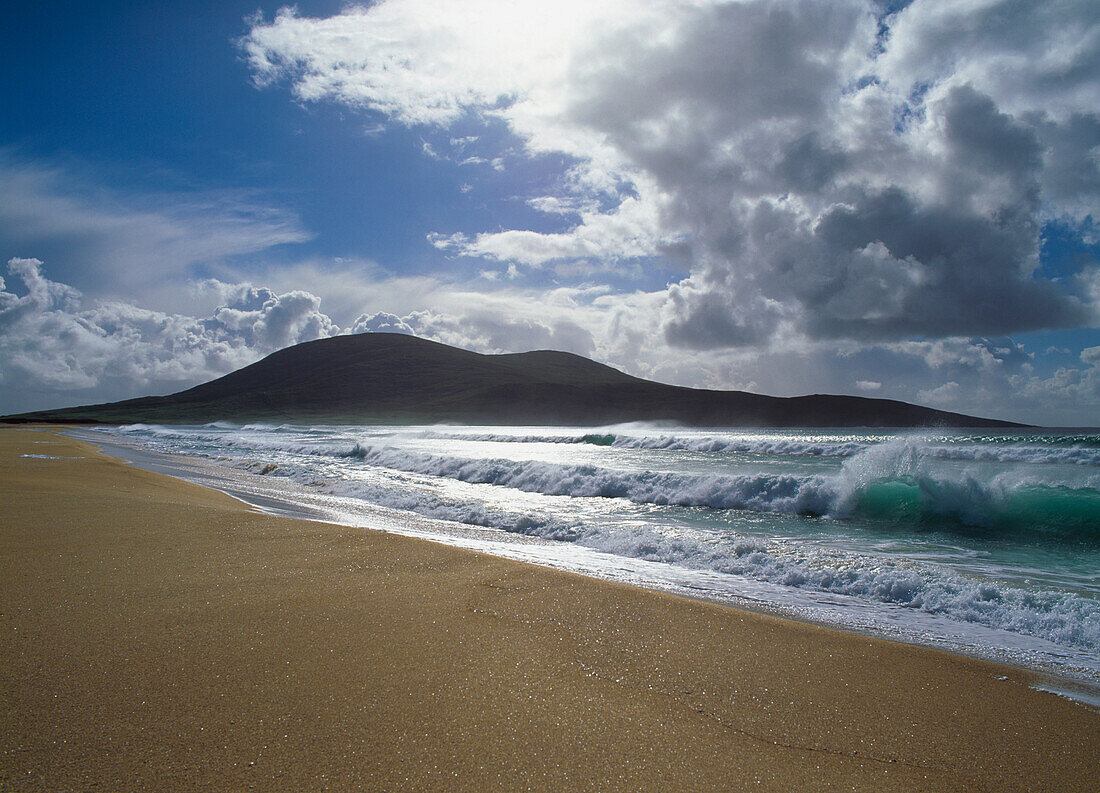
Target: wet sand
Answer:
[[157, 635]]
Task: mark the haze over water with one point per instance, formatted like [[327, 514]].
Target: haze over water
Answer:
[[980, 542]]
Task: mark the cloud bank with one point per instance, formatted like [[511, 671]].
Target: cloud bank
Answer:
[[58, 347], [52, 343]]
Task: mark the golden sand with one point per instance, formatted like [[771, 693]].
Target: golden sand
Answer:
[[160, 636]]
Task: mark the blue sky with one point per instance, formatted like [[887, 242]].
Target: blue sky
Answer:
[[846, 197], [155, 97]]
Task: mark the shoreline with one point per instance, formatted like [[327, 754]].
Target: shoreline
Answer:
[[159, 634], [1080, 682]]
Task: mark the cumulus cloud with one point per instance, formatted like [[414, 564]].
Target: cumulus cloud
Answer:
[[383, 322], [267, 321], [1026, 55], [826, 170], [54, 341]]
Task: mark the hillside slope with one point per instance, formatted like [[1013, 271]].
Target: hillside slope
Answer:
[[387, 377]]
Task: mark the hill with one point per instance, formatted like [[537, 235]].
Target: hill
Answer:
[[393, 378]]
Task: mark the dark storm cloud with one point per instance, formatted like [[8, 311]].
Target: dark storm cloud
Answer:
[[929, 226], [1072, 161]]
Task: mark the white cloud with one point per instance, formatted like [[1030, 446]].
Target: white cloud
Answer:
[[382, 322], [426, 61], [1070, 395], [946, 394], [268, 321], [484, 331], [56, 345], [1027, 56], [822, 179], [632, 230]]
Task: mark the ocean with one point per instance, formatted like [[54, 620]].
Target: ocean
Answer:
[[977, 542]]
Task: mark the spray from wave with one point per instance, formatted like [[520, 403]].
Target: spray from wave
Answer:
[[1077, 450]]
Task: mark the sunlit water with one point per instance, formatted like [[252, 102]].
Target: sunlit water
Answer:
[[979, 542]]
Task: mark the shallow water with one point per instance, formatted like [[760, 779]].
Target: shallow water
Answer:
[[979, 542]]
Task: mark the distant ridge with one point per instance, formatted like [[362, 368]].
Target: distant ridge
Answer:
[[395, 378]]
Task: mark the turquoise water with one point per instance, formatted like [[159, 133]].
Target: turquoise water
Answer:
[[975, 541]]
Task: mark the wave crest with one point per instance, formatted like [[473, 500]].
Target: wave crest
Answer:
[[887, 482]]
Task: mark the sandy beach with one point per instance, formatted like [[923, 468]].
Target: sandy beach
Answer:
[[158, 635]]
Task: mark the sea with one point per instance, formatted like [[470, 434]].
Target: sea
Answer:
[[984, 543]]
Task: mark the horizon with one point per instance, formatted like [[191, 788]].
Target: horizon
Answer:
[[887, 199]]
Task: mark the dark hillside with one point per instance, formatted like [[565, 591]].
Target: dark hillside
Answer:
[[386, 377]]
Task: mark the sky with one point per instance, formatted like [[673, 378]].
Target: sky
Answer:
[[886, 199]]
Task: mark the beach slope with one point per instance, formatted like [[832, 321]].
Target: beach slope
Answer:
[[157, 635]]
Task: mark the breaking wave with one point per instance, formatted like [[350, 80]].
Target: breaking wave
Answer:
[[887, 482], [895, 482], [1061, 617]]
